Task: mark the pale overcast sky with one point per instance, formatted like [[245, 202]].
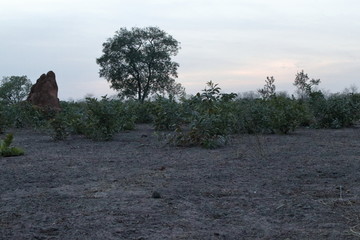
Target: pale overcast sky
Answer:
[[235, 43]]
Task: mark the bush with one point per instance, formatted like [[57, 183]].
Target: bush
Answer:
[[204, 131], [6, 150], [166, 113], [209, 126], [24, 114], [355, 105], [104, 118], [253, 116], [272, 114], [3, 121], [101, 119], [339, 110], [285, 114], [141, 111], [61, 125], [70, 120], [277, 114]]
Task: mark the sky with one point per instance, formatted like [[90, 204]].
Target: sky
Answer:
[[234, 43]]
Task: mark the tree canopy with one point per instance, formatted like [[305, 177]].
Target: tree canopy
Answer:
[[138, 63], [14, 89], [304, 84]]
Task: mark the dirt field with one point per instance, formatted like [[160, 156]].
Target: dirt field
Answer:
[[305, 185]]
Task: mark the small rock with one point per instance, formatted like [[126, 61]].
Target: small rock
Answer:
[[52, 231], [156, 194]]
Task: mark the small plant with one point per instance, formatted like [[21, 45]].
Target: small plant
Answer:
[[304, 84], [269, 88], [60, 126], [101, 120], [6, 150]]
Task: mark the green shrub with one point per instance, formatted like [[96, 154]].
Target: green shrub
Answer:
[[140, 111], [205, 131], [126, 117], [253, 116], [166, 113], [71, 118], [305, 86], [336, 111], [102, 119], [285, 114], [61, 126], [355, 105], [23, 114], [276, 114], [5, 147], [209, 125], [268, 91], [256, 115], [3, 120]]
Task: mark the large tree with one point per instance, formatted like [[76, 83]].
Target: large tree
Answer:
[[137, 62], [14, 89]]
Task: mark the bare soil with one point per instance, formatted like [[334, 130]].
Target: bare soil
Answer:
[[304, 185]]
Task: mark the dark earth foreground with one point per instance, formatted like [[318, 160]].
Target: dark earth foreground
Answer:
[[305, 185]]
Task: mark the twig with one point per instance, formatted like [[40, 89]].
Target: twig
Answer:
[[354, 232], [341, 194]]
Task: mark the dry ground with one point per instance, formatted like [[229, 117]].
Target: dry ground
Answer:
[[299, 186]]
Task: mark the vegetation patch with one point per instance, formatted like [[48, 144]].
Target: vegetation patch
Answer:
[[5, 147]]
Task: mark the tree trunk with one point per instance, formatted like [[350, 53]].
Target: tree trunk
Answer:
[[140, 96]]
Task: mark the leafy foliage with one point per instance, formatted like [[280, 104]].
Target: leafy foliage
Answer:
[[3, 119], [142, 112], [61, 125], [24, 114], [208, 124], [99, 122], [137, 62], [269, 88], [14, 89], [337, 111], [285, 114], [271, 114], [5, 147], [304, 84], [104, 118], [167, 114]]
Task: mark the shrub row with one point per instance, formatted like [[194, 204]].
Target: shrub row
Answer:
[[205, 119]]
